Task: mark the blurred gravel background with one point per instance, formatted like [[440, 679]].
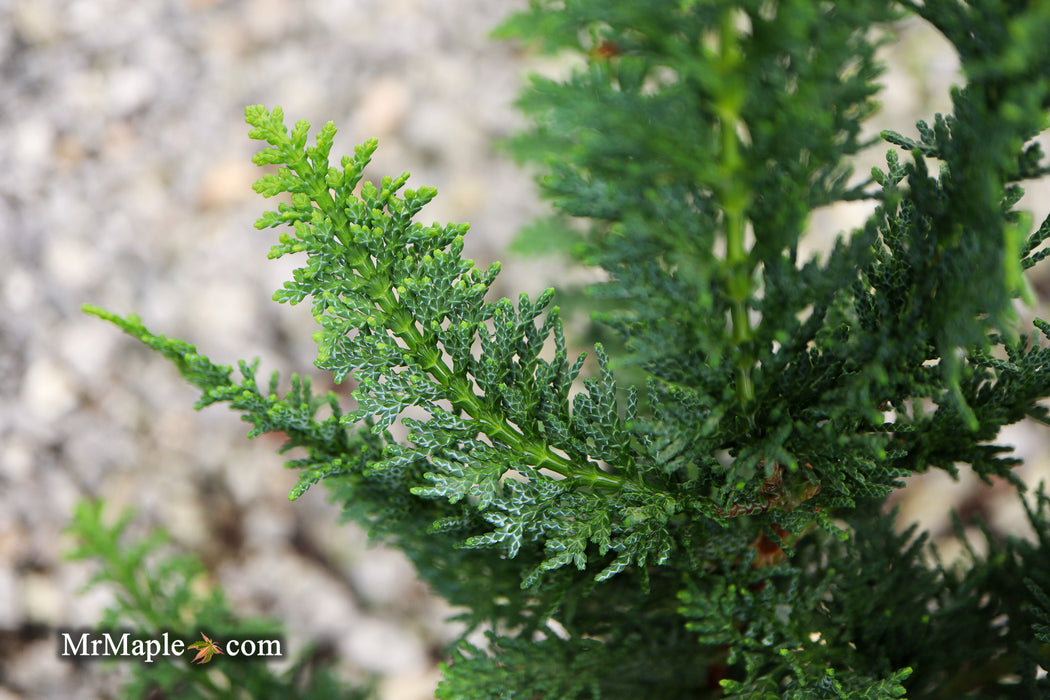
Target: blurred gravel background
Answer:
[[125, 181]]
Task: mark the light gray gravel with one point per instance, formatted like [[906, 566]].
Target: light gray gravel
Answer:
[[125, 182]]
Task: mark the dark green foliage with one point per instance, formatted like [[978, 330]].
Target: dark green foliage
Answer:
[[717, 532]]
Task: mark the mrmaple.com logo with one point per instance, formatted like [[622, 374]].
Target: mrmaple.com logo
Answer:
[[90, 644]]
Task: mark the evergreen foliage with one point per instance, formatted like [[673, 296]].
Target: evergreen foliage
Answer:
[[722, 536]]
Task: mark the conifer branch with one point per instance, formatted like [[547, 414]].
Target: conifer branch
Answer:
[[379, 295], [723, 532]]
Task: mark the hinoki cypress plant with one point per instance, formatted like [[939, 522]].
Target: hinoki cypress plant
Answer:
[[718, 530]]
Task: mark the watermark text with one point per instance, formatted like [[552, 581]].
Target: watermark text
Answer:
[[83, 645]]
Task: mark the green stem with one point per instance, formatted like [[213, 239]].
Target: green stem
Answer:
[[735, 197]]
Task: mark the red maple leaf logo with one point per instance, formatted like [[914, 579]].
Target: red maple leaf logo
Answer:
[[207, 649]]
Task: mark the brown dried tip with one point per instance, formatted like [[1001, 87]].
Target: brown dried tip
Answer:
[[768, 551], [605, 50]]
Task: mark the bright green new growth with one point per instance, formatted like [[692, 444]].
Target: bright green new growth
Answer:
[[718, 533]]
